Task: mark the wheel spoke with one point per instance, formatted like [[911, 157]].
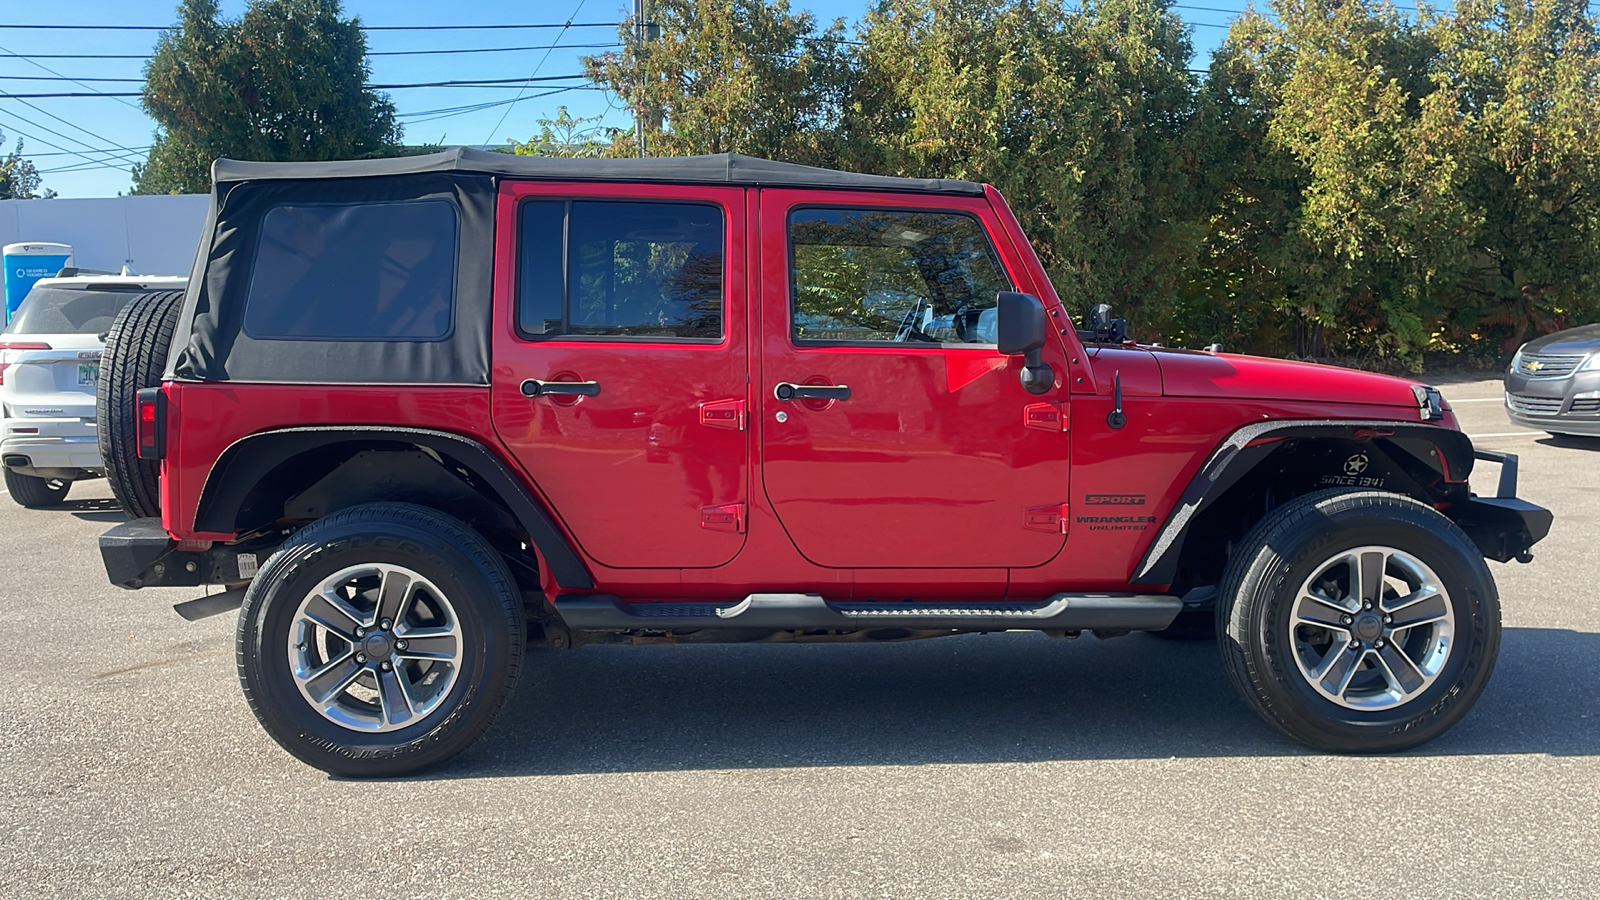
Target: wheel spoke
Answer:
[[1431, 608], [331, 680], [394, 595], [394, 697], [1338, 669], [1399, 671], [1366, 576], [430, 643], [331, 612], [1314, 610]]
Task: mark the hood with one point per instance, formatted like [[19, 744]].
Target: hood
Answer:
[[1573, 341], [1193, 373]]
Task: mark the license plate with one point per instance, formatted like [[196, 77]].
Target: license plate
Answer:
[[88, 374]]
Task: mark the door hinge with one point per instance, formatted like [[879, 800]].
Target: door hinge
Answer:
[[1046, 416], [1047, 518], [727, 517], [723, 414]]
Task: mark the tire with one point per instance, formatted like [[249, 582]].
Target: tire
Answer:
[[135, 357], [34, 492], [456, 581], [1302, 552]]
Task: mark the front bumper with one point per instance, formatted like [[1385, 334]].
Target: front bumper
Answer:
[[1569, 405], [1505, 527]]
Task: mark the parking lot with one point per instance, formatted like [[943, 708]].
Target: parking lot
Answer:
[[1008, 765]]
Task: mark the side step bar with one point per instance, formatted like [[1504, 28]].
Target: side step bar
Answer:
[[782, 612]]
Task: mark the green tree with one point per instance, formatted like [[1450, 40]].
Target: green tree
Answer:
[[19, 177], [1080, 116], [285, 81], [742, 76], [579, 137]]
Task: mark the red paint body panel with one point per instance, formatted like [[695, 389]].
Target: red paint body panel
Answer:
[[930, 481]]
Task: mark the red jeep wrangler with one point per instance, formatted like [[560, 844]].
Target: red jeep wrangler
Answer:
[[421, 414]]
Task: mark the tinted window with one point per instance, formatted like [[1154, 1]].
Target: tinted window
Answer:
[[621, 269], [370, 271], [53, 310], [893, 275]]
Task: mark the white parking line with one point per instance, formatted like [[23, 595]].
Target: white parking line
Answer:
[[1507, 434]]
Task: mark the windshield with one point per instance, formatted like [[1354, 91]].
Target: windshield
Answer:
[[61, 310]]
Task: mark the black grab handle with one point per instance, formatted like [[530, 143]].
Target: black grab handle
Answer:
[[535, 388], [787, 391]]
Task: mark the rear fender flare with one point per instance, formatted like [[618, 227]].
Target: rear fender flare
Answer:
[[246, 461], [1245, 448]]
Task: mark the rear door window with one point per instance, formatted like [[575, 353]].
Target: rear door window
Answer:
[[621, 269], [53, 310], [365, 272]]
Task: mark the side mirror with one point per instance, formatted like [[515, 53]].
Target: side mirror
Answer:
[[1022, 330]]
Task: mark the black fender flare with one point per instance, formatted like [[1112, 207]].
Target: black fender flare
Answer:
[[1246, 447], [246, 461]]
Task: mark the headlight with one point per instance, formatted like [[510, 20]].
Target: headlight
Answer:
[[1429, 402], [1592, 361], [1516, 359]]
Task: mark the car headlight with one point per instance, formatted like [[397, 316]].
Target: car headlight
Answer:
[[1516, 358], [1592, 361]]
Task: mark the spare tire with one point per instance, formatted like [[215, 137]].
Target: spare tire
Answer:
[[134, 358]]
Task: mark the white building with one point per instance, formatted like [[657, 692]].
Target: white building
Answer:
[[157, 235]]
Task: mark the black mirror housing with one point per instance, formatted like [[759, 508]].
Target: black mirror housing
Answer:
[[1021, 324], [1022, 329]]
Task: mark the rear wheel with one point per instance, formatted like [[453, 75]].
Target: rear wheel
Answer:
[[134, 358], [34, 492], [1359, 622], [380, 640]]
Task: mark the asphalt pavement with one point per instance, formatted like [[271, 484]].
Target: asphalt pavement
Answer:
[[1008, 765]]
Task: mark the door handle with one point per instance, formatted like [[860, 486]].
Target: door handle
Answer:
[[535, 388], [787, 391]]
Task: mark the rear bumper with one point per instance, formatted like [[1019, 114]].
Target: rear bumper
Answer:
[[1505, 527], [139, 553], [58, 445]]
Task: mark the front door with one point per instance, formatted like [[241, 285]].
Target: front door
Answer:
[[893, 433], [620, 365]]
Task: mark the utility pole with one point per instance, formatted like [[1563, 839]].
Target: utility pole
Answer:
[[641, 34]]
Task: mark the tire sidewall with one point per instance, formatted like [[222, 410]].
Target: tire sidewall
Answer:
[[1273, 582], [267, 616]]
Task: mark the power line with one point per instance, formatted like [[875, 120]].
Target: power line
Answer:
[[39, 65], [363, 27], [72, 125], [488, 83], [559, 35], [546, 47], [62, 78]]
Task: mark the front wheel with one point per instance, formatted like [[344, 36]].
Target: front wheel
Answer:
[[1359, 622], [380, 640]]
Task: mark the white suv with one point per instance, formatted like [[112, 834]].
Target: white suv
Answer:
[[49, 364]]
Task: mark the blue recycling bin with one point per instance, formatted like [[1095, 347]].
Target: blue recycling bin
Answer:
[[28, 262]]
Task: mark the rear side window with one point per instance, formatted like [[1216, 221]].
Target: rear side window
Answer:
[[368, 271], [52, 310], [624, 269], [893, 275]]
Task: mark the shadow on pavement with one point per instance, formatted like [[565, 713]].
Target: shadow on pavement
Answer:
[[1570, 442], [979, 699]]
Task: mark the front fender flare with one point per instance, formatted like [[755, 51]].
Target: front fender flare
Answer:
[[1246, 447]]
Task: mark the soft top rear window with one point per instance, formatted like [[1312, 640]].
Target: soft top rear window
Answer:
[[62, 310], [354, 271]]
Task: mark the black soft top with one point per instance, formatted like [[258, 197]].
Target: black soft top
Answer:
[[722, 168]]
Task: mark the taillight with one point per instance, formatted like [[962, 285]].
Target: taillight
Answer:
[[152, 415], [5, 358]]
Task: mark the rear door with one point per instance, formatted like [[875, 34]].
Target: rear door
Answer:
[[929, 453], [620, 367]]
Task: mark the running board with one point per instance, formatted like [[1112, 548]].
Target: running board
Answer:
[[804, 612]]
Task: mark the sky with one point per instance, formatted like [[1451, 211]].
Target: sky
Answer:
[[84, 146]]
